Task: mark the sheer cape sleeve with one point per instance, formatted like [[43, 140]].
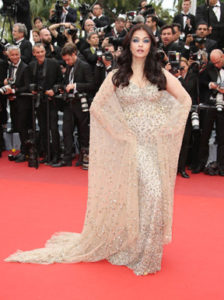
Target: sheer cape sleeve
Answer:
[[112, 216]]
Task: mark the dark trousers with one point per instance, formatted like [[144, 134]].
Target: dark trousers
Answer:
[[13, 114], [209, 117], [73, 115], [185, 145], [53, 124], [24, 119]]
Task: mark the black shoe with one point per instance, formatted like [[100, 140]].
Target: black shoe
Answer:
[[43, 160], [184, 174], [198, 169], [221, 172], [62, 163], [55, 160], [21, 158]]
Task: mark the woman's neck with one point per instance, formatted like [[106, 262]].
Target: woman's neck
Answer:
[[138, 66]]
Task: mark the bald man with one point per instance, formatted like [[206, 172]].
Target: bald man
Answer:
[[215, 75]]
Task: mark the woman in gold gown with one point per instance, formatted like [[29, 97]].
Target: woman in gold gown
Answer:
[[137, 122]]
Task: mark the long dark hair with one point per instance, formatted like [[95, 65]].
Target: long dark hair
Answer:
[[152, 69]]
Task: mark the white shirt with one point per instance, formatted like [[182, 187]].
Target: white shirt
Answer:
[[217, 10]]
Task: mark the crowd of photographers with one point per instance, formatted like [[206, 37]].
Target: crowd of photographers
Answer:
[[70, 58]]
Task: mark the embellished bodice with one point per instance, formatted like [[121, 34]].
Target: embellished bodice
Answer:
[[145, 109]]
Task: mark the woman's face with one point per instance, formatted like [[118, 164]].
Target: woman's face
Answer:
[[140, 44], [36, 37]]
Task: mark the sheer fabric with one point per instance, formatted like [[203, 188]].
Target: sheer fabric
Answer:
[[134, 132]]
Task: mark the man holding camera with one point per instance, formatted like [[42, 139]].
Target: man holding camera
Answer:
[[45, 73], [78, 84], [199, 41], [214, 80], [63, 12], [212, 12], [51, 50], [16, 83]]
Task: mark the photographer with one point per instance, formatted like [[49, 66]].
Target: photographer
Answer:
[[189, 80], [90, 53], [44, 74], [19, 32], [212, 12], [3, 103], [185, 19], [167, 39], [16, 83], [89, 26], [105, 64], [152, 22], [78, 84], [118, 30], [63, 13], [99, 19], [63, 33], [199, 41], [214, 81], [51, 50]]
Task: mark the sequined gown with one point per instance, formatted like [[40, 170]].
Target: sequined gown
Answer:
[[136, 135]]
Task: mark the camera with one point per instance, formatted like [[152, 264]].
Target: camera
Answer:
[[131, 15], [74, 31], [9, 8], [195, 120], [39, 90], [217, 98], [84, 9], [174, 60], [58, 9], [219, 102], [60, 89], [198, 39], [84, 102], [148, 10]]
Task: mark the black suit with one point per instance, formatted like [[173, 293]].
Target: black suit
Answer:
[[71, 16], [208, 15], [50, 75], [23, 14], [180, 20], [208, 47], [171, 47], [91, 57], [26, 50], [190, 83], [101, 21], [83, 78], [209, 116], [3, 102], [22, 105]]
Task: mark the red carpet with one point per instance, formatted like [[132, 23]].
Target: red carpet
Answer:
[[37, 203]]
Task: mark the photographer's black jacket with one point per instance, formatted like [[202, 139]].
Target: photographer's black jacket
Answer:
[[102, 21], [82, 77], [204, 13], [51, 73], [180, 20], [210, 74], [26, 50]]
